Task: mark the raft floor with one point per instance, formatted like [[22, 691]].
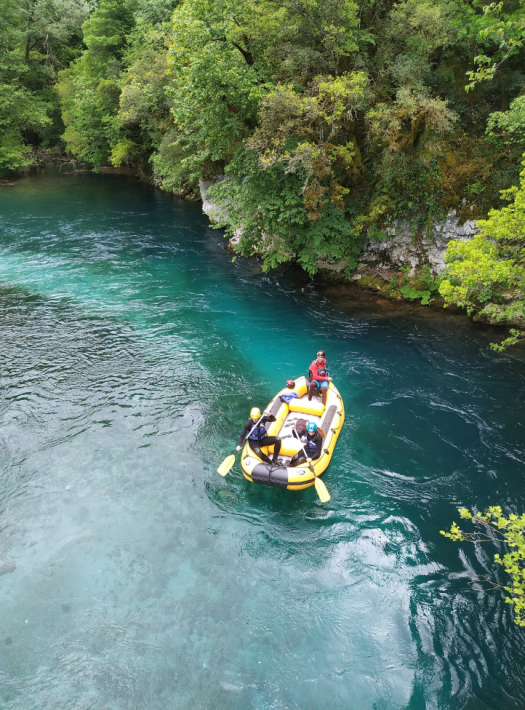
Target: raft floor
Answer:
[[290, 423]]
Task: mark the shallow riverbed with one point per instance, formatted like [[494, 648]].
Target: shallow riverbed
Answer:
[[131, 351]]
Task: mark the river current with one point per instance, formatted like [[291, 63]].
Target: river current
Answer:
[[135, 577]]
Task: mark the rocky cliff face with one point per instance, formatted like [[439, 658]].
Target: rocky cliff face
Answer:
[[404, 247], [381, 261], [214, 213]]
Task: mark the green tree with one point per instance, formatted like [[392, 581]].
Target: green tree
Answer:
[[507, 530], [144, 112], [281, 144], [510, 124], [267, 209], [16, 102], [219, 72], [313, 132], [503, 34], [89, 89], [34, 37], [483, 274], [50, 24], [330, 120], [114, 102]]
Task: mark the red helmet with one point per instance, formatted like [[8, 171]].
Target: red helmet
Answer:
[[290, 384]]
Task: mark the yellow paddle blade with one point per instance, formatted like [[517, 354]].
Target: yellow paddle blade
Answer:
[[322, 491], [226, 465]]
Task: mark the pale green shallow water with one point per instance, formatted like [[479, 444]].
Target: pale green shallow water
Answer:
[[131, 351]]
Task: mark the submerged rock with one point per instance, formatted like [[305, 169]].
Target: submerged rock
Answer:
[[496, 314], [226, 494]]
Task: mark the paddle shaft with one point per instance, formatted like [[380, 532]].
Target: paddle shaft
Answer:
[[251, 432], [228, 462], [319, 485], [305, 454]]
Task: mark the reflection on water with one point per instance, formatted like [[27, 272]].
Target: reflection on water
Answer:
[[132, 576]]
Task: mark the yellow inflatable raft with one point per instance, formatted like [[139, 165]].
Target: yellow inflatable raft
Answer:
[[329, 417]]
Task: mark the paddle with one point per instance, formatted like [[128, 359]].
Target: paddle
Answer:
[[320, 487], [228, 462]]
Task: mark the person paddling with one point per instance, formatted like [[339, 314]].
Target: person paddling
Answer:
[[319, 376], [312, 443], [258, 436]]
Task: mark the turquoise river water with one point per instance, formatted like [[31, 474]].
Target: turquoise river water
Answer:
[[136, 578]]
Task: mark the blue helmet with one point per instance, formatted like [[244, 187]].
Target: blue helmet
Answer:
[[311, 427]]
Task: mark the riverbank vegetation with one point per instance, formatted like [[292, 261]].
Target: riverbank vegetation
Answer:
[[325, 122], [486, 275]]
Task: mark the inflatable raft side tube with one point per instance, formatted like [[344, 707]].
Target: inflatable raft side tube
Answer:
[[275, 407], [328, 418], [271, 476], [280, 411]]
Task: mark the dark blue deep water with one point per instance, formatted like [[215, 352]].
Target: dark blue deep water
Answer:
[[131, 351]]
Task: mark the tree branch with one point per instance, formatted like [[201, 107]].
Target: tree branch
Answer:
[[247, 55]]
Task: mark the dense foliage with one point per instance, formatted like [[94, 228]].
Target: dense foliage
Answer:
[[496, 528], [37, 39], [328, 120], [113, 97], [487, 274]]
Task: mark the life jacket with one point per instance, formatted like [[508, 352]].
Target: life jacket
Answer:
[[289, 396], [315, 367], [258, 433], [310, 445]]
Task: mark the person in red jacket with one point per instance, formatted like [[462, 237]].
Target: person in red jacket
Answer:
[[319, 376]]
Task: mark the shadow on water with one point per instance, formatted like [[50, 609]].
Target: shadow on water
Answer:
[[132, 350]]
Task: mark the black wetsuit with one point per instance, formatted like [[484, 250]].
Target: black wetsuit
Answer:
[[259, 438], [312, 440]]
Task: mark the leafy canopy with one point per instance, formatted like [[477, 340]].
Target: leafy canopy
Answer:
[[219, 71], [36, 38], [484, 273], [339, 117]]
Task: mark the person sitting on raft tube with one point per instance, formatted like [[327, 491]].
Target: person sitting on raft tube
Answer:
[[312, 440], [258, 436], [319, 376], [288, 396]]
